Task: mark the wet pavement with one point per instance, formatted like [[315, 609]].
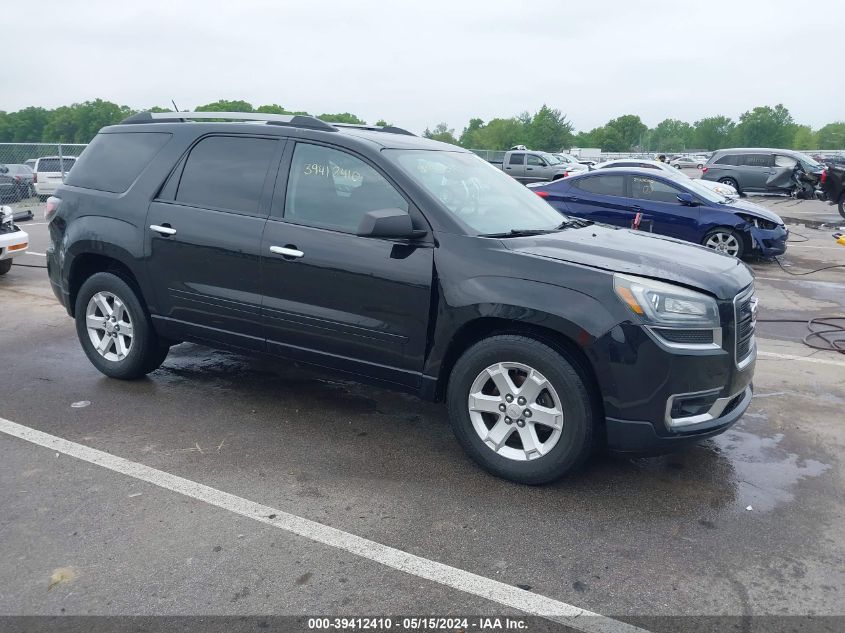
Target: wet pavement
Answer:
[[751, 522]]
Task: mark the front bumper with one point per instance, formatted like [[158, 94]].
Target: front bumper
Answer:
[[769, 242], [641, 438], [9, 240]]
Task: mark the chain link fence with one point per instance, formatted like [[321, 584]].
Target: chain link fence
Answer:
[[29, 172]]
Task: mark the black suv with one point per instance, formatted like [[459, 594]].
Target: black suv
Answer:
[[407, 262]]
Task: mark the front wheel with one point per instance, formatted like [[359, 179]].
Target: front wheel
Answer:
[[521, 410], [724, 240], [5, 266], [842, 206], [114, 329]]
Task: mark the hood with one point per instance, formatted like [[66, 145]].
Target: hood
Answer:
[[743, 206], [644, 254]]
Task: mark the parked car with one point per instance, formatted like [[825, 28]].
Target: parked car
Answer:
[[406, 262], [687, 161], [669, 206], [30, 162], [572, 163], [723, 190], [23, 180], [759, 170], [13, 240], [533, 166], [48, 173], [833, 185]]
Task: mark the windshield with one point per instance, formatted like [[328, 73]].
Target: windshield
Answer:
[[551, 159], [476, 193]]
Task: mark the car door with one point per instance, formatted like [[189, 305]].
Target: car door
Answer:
[[755, 171], [359, 304], [600, 197], [204, 237], [515, 165], [663, 213], [536, 169]]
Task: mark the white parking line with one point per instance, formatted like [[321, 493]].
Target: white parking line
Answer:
[[34, 253], [487, 588], [806, 359]]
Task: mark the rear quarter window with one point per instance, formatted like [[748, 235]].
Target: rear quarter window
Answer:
[[112, 162]]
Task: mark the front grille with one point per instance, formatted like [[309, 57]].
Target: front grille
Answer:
[[745, 308]]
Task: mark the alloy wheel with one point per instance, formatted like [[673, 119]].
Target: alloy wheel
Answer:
[[109, 326], [723, 243], [515, 411]]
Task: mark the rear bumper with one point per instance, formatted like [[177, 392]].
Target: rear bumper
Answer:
[[637, 437], [10, 240], [46, 188]]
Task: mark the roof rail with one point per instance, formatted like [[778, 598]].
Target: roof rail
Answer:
[[392, 129], [295, 120]]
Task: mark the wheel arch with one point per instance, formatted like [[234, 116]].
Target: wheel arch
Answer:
[[86, 264]]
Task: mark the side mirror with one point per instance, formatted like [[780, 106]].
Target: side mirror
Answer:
[[394, 223], [687, 199]]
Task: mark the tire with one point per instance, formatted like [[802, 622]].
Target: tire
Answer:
[[700, 166], [842, 206], [568, 403], [677, 166], [730, 181], [126, 356], [731, 242], [5, 266]]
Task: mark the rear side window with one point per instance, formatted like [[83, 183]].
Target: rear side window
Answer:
[[606, 185], [226, 172], [50, 165], [516, 159], [112, 162]]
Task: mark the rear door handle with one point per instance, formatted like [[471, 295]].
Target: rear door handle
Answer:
[[163, 230], [286, 251]]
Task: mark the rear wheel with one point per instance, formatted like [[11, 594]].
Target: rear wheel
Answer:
[[5, 266], [731, 183], [724, 240], [842, 206], [114, 329], [521, 410]]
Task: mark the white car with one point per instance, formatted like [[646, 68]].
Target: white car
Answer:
[[572, 163], [48, 174], [13, 241], [722, 189]]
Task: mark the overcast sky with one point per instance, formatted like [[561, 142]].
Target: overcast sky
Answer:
[[417, 63]]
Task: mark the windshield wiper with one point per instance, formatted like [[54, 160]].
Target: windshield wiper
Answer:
[[566, 224]]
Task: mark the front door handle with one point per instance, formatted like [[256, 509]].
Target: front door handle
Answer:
[[163, 230], [287, 251]]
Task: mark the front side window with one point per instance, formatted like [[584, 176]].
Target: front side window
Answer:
[[785, 161], [226, 172], [535, 161], [332, 189], [644, 188], [482, 197], [608, 185]]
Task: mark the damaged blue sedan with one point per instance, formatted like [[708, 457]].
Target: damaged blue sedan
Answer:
[[648, 201]]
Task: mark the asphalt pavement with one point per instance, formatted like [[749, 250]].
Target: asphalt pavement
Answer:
[[750, 523]]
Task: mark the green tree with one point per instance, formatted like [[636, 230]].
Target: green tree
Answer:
[[25, 126], [225, 106], [383, 123], [274, 108], [804, 138], [472, 136], [670, 135], [548, 130], [713, 132], [629, 129], [765, 126], [832, 136], [441, 132], [343, 117]]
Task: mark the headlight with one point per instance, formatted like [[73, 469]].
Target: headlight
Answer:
[[760, 223], [663, 304]]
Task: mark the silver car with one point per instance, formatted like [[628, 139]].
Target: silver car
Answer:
[[722, 189]]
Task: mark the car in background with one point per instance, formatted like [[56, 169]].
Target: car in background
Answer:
[[668, 206], [30, 162], [724, 190], [22, 176], [528, 166], [49, 173], [572, 163], [759, 170], [688, 161], [13, 241]]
